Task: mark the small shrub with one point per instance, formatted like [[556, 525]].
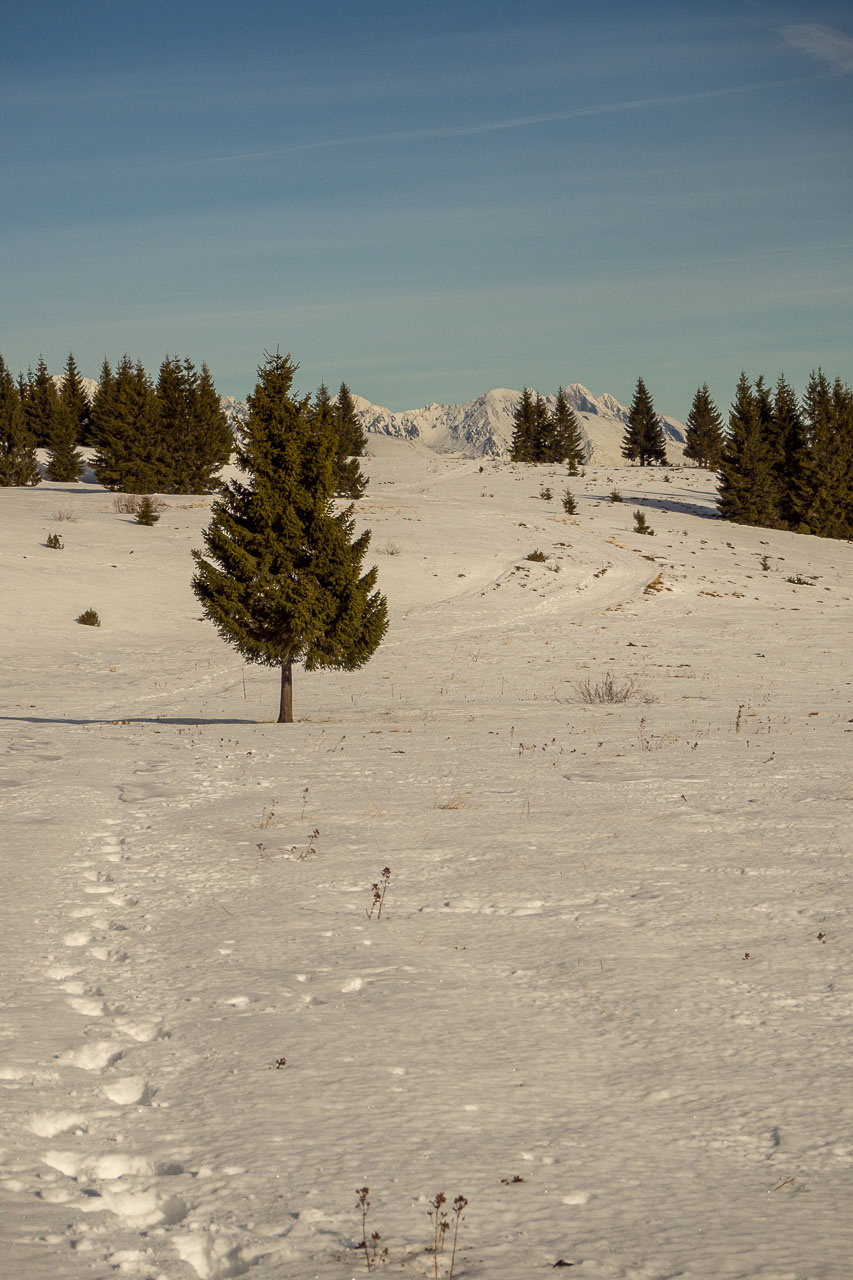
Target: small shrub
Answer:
[[799, 581], [764, 561], [608, 691], [54, 542], [89, 618], [146, 511], [128, 504], [641, 525], [616, 496], [390, 549], [63, 514], [545, 493], [539, 556], [570, 506]]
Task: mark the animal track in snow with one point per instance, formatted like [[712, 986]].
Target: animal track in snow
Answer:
[[128, 1091], [47, 1124], [213, 1257], [88, 1007], [78, 938], [140, 1205], [95, 1055]]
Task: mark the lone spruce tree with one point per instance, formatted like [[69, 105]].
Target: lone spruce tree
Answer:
[[643, 440], [282, 581]]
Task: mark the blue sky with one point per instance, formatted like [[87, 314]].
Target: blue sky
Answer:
[[429, 201]]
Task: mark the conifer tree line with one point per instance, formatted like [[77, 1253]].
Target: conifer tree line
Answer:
[[782, 463], [543, 435], [168, 436]]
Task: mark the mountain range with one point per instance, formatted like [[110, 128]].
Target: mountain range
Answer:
[[483, 427]]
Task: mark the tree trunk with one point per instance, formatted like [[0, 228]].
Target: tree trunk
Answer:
[[285, 713]]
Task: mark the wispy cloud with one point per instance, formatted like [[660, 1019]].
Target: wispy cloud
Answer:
[[826, 44], [497, 126]]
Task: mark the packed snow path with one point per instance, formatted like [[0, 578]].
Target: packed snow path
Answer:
[[609, 997]]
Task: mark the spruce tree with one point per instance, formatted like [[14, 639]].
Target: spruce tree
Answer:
[[644, 440], [352, 442], [214, 441], [704, 439], [18, 464], [567, 437], [42, 406], [194, 434], [125, 429], [543, 434], [747, 491], [523, 445], [64, 462], [282, 580], [824, 474], [73, 395], [790, 448]]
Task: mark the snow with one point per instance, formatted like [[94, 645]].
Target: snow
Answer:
[[609, 996]]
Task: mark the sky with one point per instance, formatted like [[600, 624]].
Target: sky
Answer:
[[430, 201]]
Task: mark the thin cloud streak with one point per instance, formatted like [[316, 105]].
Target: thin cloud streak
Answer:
[[500, 126], [826, 44]]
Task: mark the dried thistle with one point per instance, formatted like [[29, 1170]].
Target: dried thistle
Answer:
[[438, 1217], [380, 888], [458, 1205]]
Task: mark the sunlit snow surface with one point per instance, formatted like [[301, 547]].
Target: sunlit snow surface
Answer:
[[609, 998]]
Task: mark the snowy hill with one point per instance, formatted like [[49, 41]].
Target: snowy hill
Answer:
[[608, 999]]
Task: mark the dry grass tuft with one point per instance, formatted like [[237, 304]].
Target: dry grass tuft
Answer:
[[609, 692], [461, 800]]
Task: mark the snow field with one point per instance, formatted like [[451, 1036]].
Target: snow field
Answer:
[[609, 996]]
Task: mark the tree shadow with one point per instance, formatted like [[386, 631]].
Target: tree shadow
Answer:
[[180, 720], [706, 509]]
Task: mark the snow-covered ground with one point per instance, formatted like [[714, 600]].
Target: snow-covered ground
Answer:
[[609, 997]]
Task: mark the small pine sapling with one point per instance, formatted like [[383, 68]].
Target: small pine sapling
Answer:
[[89, 618], [641, 525], [146, 512], [545, 493], [54, 542], [616, 496], [570, 505]]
